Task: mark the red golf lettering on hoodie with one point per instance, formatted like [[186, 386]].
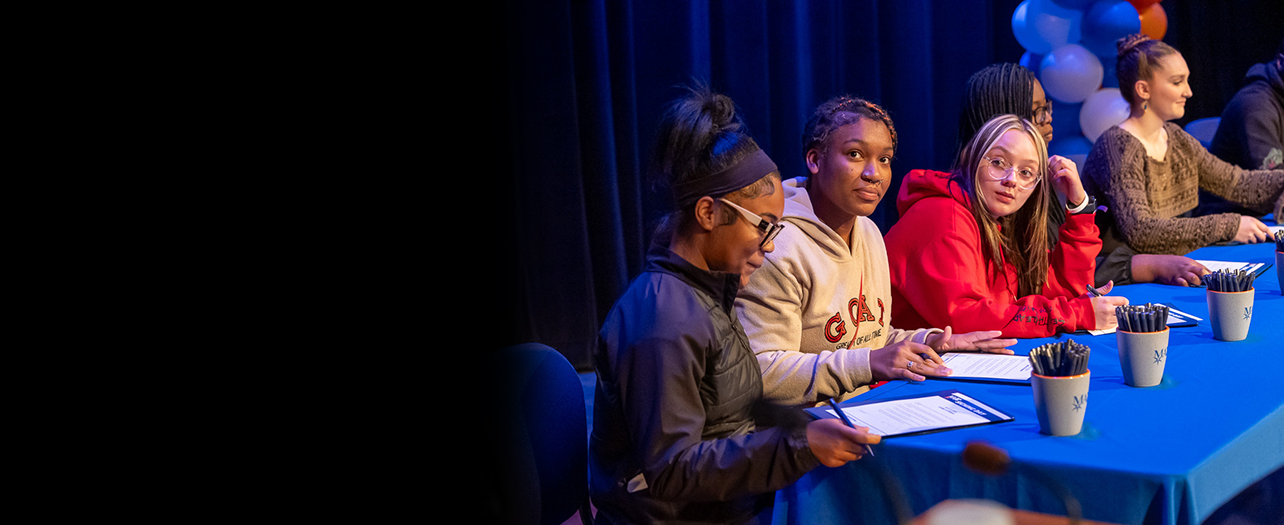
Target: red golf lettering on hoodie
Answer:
[[835, 328]]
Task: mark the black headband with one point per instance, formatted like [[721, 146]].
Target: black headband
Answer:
[[751, 168]]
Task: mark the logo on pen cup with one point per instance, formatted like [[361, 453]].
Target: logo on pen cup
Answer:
[[1248, 312], [1160, 355], [1080, 402]]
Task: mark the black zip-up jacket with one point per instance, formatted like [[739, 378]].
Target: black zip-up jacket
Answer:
[[674, 437], [1250, 134]]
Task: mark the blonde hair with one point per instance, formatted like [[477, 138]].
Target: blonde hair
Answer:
[[1022, 237]]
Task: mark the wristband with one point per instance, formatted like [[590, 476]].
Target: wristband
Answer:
[[1089, 203]]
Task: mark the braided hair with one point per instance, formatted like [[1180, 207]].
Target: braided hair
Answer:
[[1002, 89], [838, 112], [999, 89], [1138, 59]]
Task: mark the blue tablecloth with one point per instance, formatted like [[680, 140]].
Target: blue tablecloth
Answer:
[[1168, 454]]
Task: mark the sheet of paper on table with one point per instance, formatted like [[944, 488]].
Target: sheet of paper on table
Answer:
[[1175, 318], [988, 366], [938, 411], [1228, 265]]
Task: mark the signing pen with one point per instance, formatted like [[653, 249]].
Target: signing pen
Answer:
[[1092, 290], [848, 422]]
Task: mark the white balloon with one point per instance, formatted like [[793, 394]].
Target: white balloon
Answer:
[[1101, 110], [1070, 73]]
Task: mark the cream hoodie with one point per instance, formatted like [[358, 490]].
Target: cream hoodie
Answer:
[[815, 309]]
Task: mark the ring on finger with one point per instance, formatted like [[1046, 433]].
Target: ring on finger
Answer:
[[909, 366]]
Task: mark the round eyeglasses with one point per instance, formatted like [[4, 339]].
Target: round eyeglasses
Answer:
[[769, 230], [1000, 169]]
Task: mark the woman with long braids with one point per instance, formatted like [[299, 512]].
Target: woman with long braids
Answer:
[[1003, 89], [819, 311], [1012, 89], [971, 247], [1148, 171]]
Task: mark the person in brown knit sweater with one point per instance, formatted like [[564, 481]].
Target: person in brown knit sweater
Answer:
[[1148, 171]]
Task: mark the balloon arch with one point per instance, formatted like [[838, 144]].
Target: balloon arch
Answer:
[[1070, 46]]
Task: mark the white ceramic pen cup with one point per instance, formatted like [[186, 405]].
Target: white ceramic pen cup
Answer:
[[1230, 313], [1142, 356], [1060, 402]]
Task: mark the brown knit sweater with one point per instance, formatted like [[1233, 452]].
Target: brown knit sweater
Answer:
[[1148, 198]]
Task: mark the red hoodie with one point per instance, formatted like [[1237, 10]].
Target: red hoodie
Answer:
[[939, 275]]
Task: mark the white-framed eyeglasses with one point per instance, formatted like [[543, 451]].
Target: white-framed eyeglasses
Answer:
[[1025, 178], [767, 228]]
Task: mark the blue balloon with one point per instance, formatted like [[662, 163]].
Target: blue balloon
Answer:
[[1073, 4], [1041, 25], [1106, 22], [1031, 61], [1109, 77], [1024, 31]]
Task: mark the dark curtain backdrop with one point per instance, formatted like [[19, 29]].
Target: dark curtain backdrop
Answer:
[[586, 82]]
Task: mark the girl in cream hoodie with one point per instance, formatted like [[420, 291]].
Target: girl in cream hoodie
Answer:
[[818, 312]]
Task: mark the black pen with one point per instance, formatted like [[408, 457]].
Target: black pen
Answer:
[[1092, 290], [848, 422]]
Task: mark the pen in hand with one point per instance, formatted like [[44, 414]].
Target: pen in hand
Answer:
[[1092, 290], [848, 422]]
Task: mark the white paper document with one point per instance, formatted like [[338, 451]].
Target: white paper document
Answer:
[[988, 366], [1175, 318], [1227, 265], [919, 414]]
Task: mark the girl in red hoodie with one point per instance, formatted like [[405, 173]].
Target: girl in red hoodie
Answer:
[[971, 247]]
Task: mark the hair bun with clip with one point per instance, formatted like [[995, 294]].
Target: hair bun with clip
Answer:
[[1128, 43]]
